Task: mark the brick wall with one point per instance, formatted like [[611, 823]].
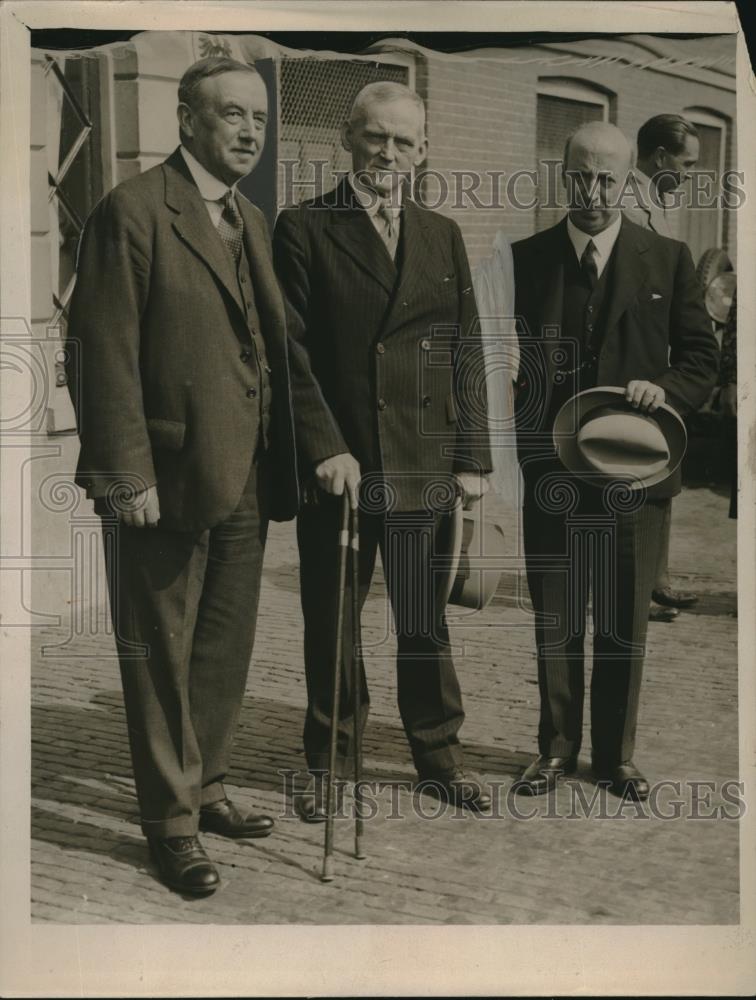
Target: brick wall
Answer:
[[482, 116]]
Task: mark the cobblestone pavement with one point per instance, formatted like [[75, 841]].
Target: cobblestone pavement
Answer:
[[623, 865]]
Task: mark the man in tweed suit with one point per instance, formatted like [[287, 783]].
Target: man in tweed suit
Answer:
[[627, 311], [187, 447], [377, 289]]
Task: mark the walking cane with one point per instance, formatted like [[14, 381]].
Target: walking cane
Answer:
[[356, 682], [348, 539]]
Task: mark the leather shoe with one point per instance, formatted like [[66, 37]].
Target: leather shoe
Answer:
[[625, 780], [458, 788], [311, 805], [222, 817], [184, 865], [542, 775], [674, 598], [657, 613]]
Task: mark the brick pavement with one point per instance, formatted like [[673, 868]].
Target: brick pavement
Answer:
[[622, 866]]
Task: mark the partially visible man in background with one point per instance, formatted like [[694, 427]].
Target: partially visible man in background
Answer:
[[184, 416], [379, 288], [668, 150]]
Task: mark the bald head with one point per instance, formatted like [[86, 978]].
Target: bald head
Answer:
[[597, 160]]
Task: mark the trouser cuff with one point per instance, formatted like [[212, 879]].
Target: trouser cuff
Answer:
[[178, 826]]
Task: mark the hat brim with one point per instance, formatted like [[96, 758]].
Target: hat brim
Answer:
[[576, 410]]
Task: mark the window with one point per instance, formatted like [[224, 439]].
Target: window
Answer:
[[563, 105], [703, 228]]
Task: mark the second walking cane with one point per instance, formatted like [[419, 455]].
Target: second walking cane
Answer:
[[349, 552]]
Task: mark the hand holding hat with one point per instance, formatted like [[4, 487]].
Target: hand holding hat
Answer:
[[644, 396], [627, 434]]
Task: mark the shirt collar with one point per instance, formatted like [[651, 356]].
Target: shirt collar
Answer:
[[650, 200], [210, 187], [603, 241], [371, 201]]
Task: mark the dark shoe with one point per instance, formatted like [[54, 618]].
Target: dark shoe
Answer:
[[674, 598], [625, 780], [458, 788], [222, 817], [542, 775], [656, 613], [311, 805], [184, 865]]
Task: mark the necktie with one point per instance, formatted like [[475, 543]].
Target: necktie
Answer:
[[588, 264], [390, 227], [231, 226]]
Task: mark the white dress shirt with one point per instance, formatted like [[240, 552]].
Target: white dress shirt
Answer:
[[213, 191], [603, 241], [371, 202]]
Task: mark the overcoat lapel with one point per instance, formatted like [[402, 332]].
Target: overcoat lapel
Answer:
[[630, 273], [194, 226], [267, 295], [352, 231], [549, 292], [417, 250]]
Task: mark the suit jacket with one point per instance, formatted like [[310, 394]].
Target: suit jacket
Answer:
[[657, 328], [646, 212], [397, 361], [158, 383]]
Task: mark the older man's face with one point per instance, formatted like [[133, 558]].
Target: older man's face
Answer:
[[386, 144], [594, 178], [226, 126]]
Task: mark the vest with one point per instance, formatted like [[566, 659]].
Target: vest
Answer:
[[584, 312], [253, 352]]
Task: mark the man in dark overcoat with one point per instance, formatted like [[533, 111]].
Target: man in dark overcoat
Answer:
[[389, 405], [600, 301], [187, 447]]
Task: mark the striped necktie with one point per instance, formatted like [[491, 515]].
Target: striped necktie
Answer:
[[231, 226], [389, 230], [588, 264]]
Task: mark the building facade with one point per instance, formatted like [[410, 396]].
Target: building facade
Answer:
[[497, 119]]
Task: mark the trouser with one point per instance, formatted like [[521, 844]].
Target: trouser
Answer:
[[575, 541], [661, 579], [184, 607], [429, 697]]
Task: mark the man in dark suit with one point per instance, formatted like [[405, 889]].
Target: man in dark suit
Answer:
[[382, 313], [187, 447], [599, 301]]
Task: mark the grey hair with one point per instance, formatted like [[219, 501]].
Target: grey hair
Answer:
[[384, 91]]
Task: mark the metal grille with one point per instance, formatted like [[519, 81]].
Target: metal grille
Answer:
[[316, 96], [70, 220]]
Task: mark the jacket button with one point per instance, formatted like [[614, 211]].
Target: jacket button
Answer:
[[246, 356], [382, 404], [251, 393], [380, 349], [242, 278], [426, 401], [405, 304]]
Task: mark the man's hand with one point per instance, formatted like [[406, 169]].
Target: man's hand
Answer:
[[472, 487], [728, 400], [335, 473], [644, 396], [143, 510]]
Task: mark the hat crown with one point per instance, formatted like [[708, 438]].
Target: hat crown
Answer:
[[621, 443]]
